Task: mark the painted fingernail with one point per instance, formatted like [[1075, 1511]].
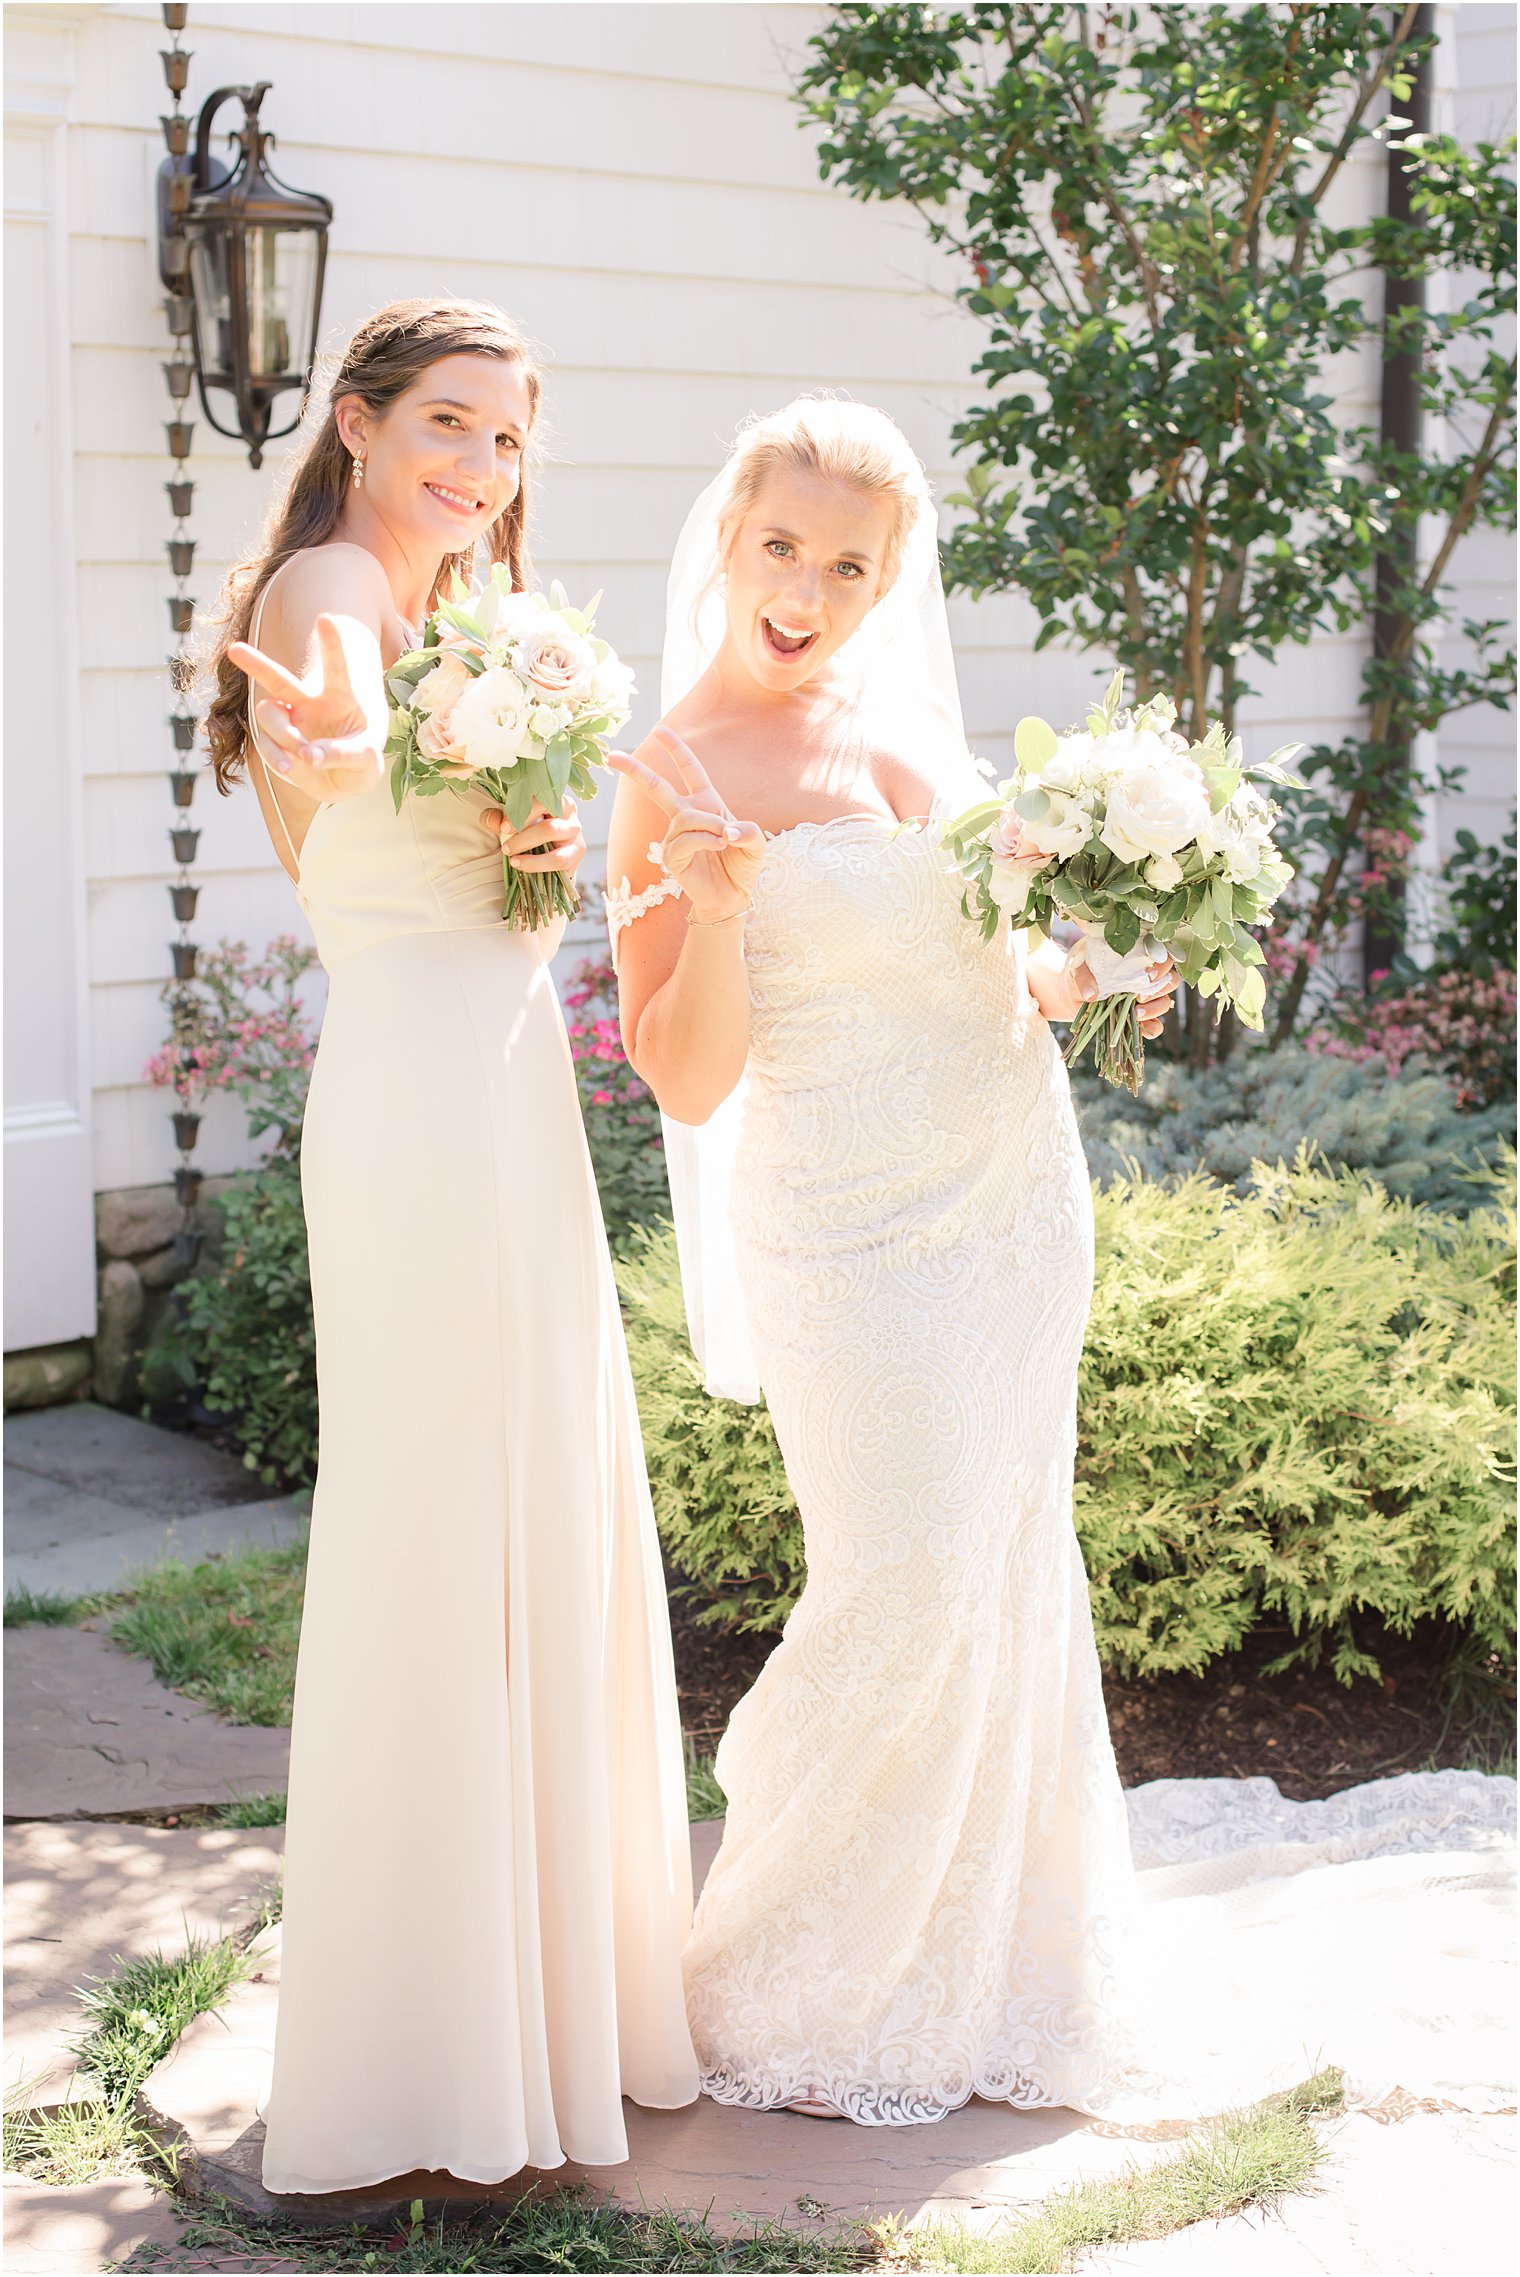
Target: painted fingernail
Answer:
[[732, 834]]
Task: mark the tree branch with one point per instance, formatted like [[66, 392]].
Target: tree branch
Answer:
[[1381, 715], [1342, 151]]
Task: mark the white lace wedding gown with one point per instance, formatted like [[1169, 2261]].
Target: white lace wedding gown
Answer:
[[926, 1856], [926, 1888]]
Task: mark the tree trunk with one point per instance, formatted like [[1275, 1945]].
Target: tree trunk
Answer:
[[1400, 426]]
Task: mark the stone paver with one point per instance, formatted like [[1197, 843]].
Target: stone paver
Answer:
[[1432, 2195], [91, 1732], [79, 2231], [79, 1895], [92, 1496], [98, 1451], [984, 2159], [980, 2162]]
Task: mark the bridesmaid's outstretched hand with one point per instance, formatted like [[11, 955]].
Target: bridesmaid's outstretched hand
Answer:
[[316, 727], [715, 857]]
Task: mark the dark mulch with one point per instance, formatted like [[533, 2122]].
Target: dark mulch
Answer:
[[1303, 1729]]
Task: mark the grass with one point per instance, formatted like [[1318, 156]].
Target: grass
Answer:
[[132, 2020], [223, 1631], [23, 1605], [704, 1797], [135, 2017], [568, 2230], [251, 1810], [1247, 2158], [77, 2141]]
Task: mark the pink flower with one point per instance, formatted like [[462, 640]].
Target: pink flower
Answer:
[[601, 1098]]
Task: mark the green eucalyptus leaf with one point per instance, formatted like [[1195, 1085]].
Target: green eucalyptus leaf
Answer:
[[1034, 744]]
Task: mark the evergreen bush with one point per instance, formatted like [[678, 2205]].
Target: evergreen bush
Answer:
[[246, 1330], [1407, 1129], [1295, 1402]]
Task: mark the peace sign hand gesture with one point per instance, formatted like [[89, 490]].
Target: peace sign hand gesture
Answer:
[[715, 857], [317, 726]]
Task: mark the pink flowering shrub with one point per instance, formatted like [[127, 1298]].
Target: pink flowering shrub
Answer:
[[1461, 1023], [241, 1025], [622, 1120]]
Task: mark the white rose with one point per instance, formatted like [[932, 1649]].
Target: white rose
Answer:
[[1163, 871], [1156, 801], [612, 686], [544, 722], [1078, 764], [557, 662], [1240, 834], [1242, 860], [1010, 879], [517, 616], [490, 720], [1062, 830]]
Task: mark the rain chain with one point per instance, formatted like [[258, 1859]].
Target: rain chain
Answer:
[[179, 375]]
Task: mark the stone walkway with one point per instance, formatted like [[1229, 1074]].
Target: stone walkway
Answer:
[[91, 1736], [983, 2163], [91, 1495]]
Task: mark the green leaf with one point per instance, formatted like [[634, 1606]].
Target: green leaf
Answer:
[[558, 760], [1034, 744]]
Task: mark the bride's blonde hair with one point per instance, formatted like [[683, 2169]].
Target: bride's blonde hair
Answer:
[[839, 441]]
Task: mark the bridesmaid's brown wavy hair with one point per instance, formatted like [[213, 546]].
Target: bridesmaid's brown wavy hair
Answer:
[[388, 353]]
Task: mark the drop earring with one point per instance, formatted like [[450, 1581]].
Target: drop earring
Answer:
[[358, 472]]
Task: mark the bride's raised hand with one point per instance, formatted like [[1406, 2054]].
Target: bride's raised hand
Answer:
[[714, 856], [317, 727]]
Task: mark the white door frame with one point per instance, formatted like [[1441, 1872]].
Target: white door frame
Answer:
[[49, 1171]]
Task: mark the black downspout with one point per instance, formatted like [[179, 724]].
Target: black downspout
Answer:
[[1400, 429]]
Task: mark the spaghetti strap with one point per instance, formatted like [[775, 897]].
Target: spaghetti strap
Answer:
[[270, 777]]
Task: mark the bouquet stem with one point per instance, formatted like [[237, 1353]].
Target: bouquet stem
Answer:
[[1111, 1025], [532, 899]]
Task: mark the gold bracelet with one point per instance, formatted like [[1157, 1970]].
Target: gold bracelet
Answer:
[[711, 924]]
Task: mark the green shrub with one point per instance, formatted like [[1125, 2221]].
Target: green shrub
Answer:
[[621, 1118], [247, 1326], [725, 1511], [1261, 1105], [1295, 1401]]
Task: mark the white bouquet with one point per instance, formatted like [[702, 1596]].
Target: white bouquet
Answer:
[[510, 694], [1152, 845]]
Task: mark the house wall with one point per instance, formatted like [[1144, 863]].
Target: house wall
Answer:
[[634, 183]]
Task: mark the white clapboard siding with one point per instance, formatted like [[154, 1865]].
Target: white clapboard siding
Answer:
[[636, 184]]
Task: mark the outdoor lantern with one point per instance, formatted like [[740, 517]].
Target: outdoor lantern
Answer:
[[256, 253]]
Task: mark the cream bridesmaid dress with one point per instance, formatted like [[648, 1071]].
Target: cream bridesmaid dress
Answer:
[[487, 1879]]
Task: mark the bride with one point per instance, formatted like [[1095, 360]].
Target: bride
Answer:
[[930, 1884], [925, 1856]]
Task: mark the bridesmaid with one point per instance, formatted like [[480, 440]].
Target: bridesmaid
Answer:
[[487, 1872]]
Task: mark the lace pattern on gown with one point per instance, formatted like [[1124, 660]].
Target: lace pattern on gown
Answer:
[[928, 1883], [624, 907], [926, 1859]]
